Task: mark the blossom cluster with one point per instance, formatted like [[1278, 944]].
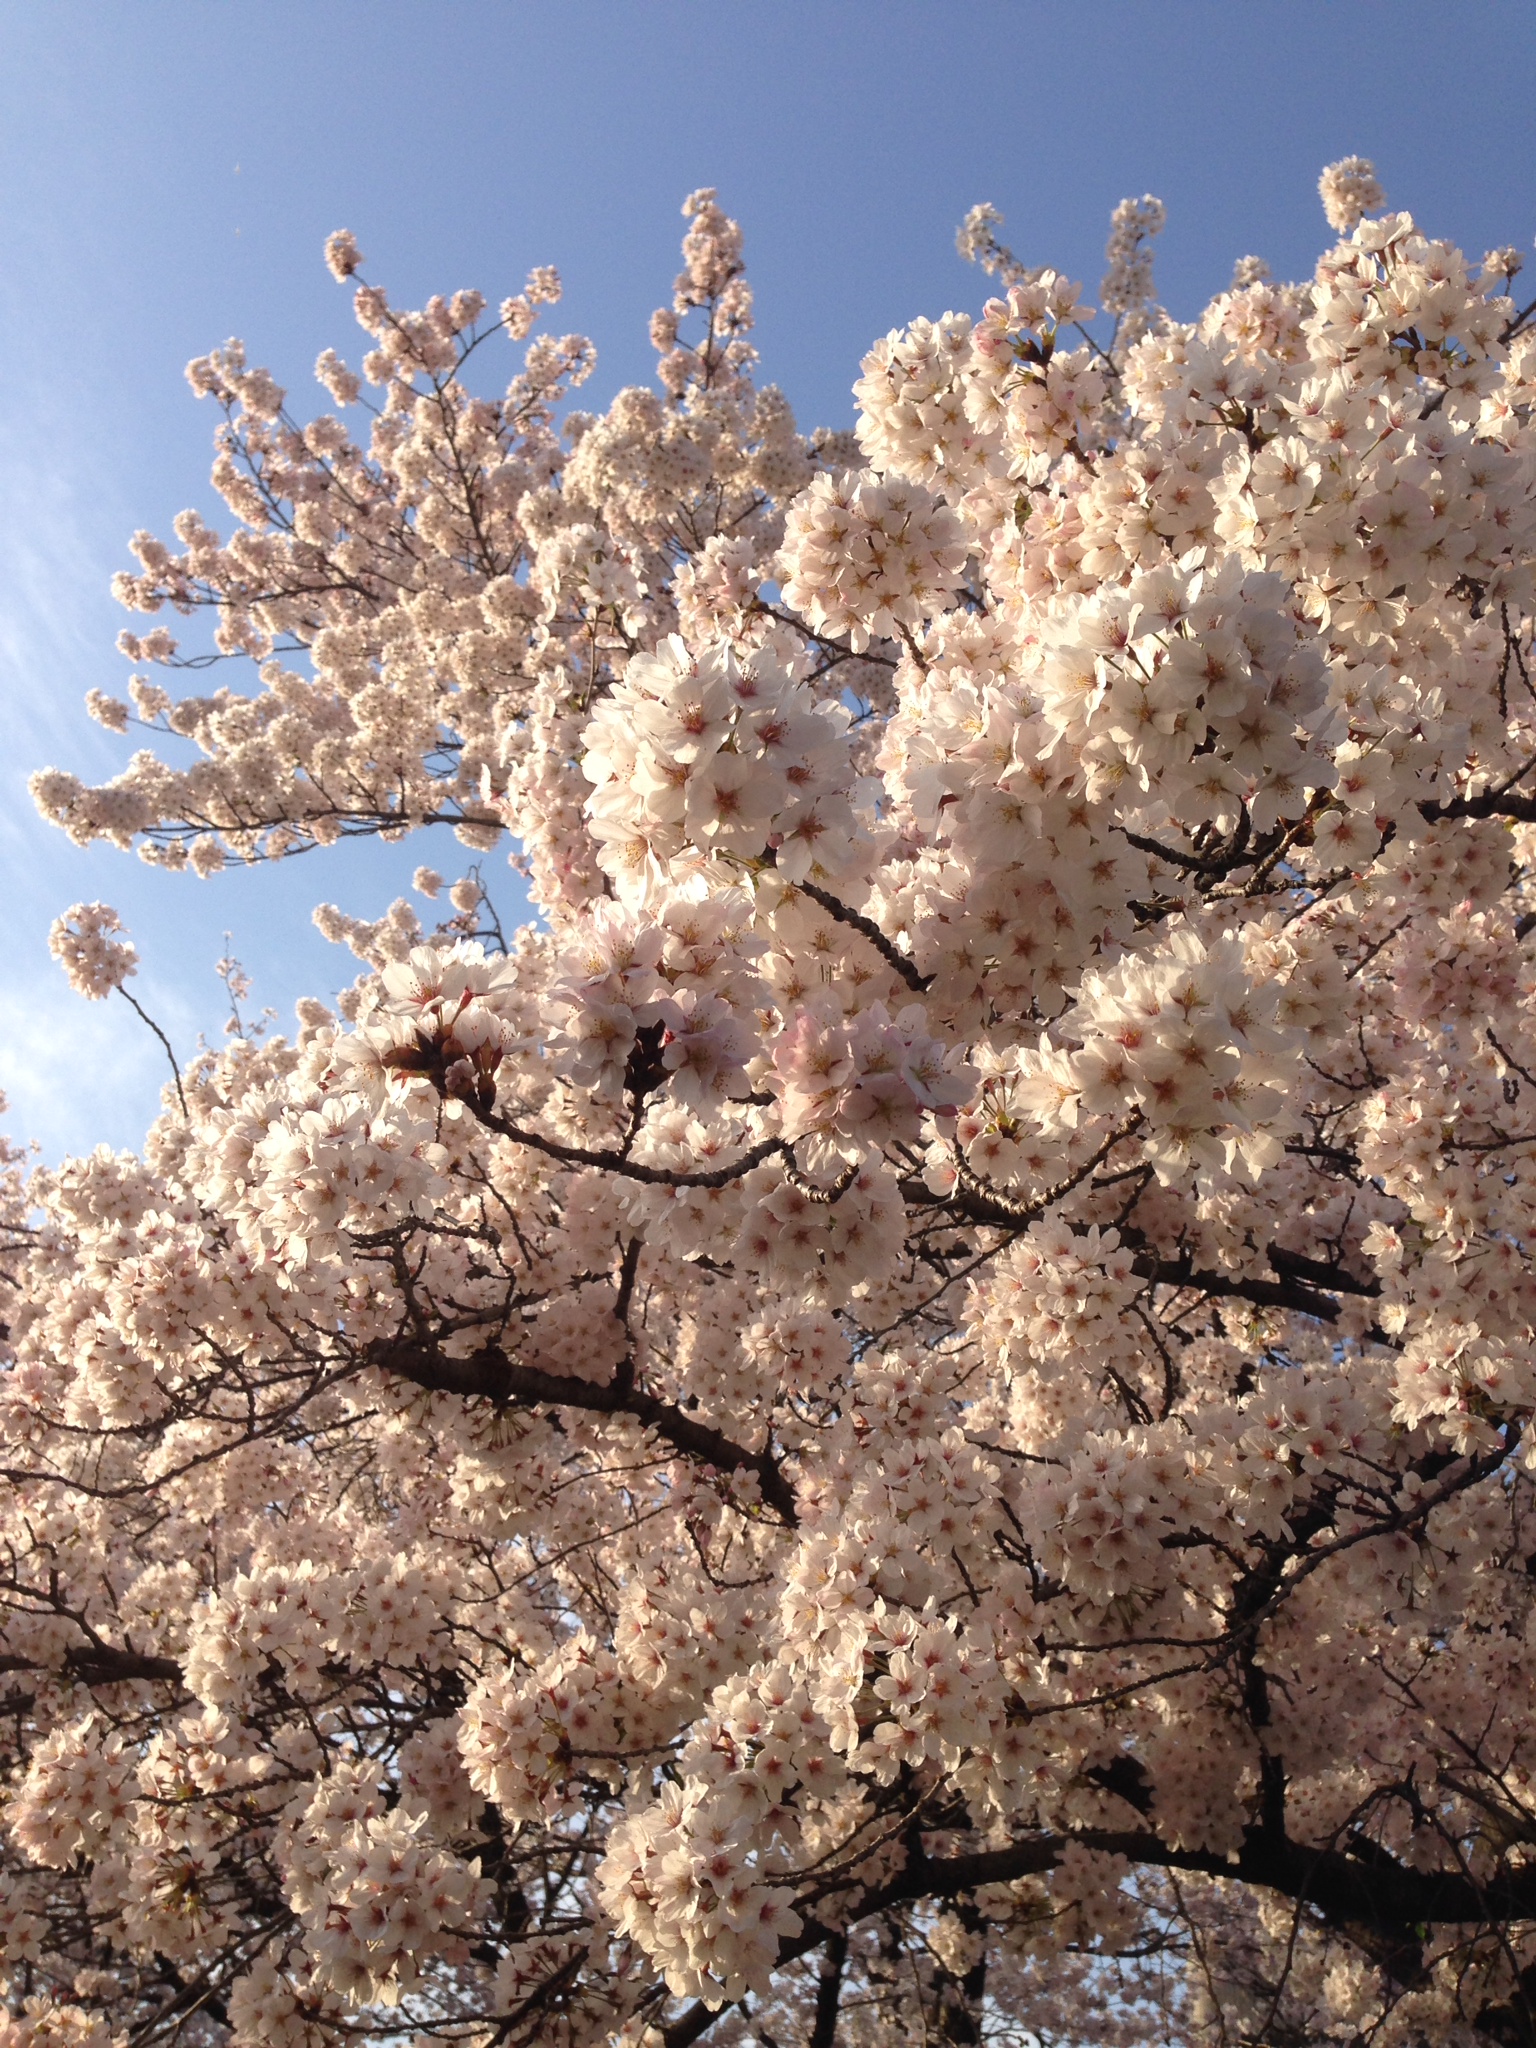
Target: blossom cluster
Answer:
[[84, 941], [714, 756]]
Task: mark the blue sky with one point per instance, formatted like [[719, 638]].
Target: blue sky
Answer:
[[170, 169]]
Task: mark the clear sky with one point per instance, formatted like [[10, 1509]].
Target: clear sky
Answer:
[[169, 171]]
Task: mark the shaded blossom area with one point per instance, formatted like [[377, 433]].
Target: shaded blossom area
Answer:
[[910, 1418]]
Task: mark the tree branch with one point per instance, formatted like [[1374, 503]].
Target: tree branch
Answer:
[[866, 927], [970, 1199], [100, 1664], [169, 1053], [488, 1374], [829, 1993], [1498, 802], [610, 1160], [1381, 1905]]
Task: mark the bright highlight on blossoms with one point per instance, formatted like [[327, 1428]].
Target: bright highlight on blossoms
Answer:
[[910, 1418]]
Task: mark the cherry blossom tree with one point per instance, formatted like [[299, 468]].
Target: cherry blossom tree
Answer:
[[911, 1415]]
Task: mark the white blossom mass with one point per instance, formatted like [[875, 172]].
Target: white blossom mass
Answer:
[[910, 1417]]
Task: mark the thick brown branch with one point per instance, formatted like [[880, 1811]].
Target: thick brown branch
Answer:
[[971, 1200], [100, 1664], [867, 929], [629, 1169], [1294, 1266], [829, 1992], [1363, 1891], [1381, 1905], [1302, 1301], [697, 2019], [1493, 803], [488, 1374], [1223, 861]]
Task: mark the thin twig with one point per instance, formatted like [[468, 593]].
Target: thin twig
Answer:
[[175, 1070]]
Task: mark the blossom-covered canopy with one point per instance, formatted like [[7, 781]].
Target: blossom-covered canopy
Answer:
[[910, 1416]]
